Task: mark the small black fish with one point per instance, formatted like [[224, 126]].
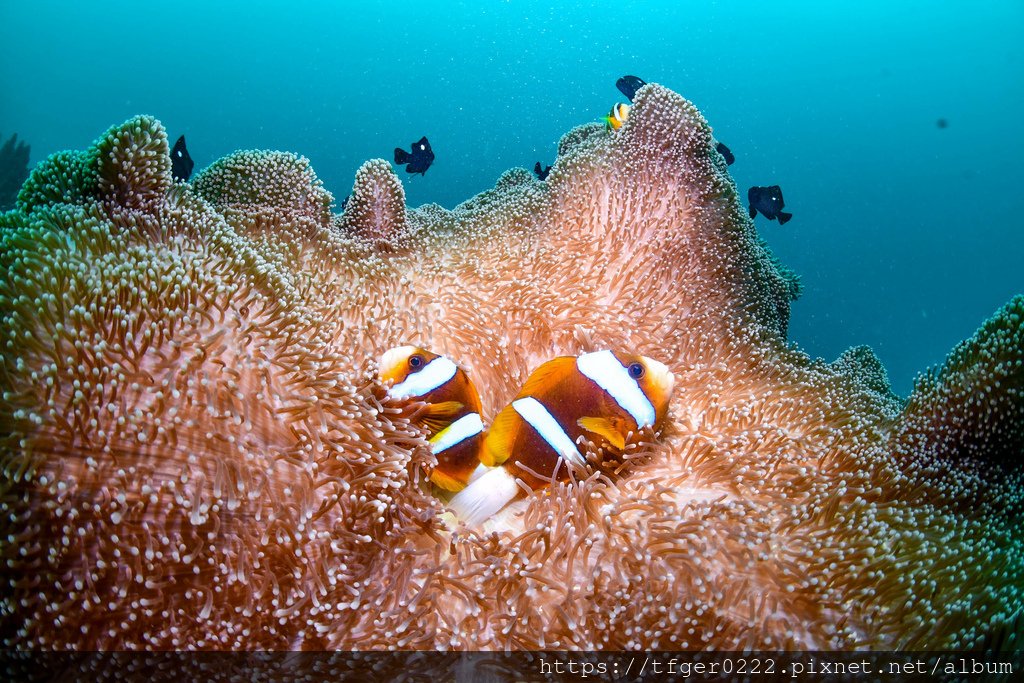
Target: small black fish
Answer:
[[942, 123], [768, 200], [181, 162], [542, 173], [727, 153], [344, 202], [419, 160], [628, 85]]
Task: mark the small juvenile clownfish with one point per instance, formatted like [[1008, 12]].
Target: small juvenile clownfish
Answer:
[[451, 417], [617, 116], [604, 396]]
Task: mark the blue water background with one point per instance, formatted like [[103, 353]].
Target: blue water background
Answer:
[[907, 235]]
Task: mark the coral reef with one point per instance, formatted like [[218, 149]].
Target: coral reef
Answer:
[[13, 169], [196, 452]]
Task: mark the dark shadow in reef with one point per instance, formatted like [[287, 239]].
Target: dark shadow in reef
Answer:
[[13, 170]]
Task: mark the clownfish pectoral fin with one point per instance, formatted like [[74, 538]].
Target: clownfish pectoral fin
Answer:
[[547, 374], [604, 428], [443, 409], [446, 481], [498, 442], [437, 416]]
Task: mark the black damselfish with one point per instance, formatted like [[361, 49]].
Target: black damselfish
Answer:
[[628, 85], [726, 153], [181, 162], [541, 172], [417, 161], [768, 200]]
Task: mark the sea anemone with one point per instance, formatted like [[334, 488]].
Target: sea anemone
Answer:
[[254, 181], [197, 452]]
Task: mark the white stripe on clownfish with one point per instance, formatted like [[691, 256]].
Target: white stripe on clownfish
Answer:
[[464, 428], [605, 370], [538, 417], [434, 374]]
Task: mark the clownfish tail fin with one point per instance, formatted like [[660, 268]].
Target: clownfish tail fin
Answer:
[[484, 497]]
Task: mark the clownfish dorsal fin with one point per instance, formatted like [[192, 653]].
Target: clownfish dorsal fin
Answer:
[[603, 427], [437, 416], [498, 444], [548, 373]]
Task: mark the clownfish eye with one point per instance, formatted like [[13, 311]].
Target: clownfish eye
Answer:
[[636, 370], [416, 361]]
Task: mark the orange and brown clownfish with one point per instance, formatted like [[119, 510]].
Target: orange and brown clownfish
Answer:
[[603, 396], [617, 116], [451, 417]]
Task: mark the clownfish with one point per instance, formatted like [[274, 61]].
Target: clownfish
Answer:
[[617, 116], [603, 396], [451, 417]]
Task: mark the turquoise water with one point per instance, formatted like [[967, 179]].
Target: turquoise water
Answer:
[[906, 235]]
